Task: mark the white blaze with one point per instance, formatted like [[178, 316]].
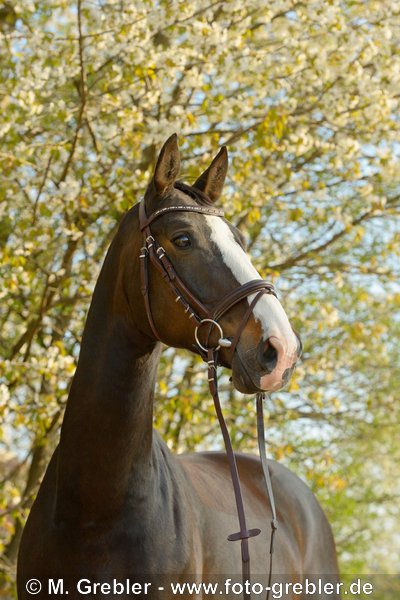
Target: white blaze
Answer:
[[268, 310]]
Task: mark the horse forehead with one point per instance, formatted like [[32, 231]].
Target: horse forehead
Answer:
[[232, 253], [180, 199], [178, 196]]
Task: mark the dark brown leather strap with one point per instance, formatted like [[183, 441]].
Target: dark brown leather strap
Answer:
[[144, 276], [268, 483], [243, 323], [246, 289], [206, 210], [243, 534], [194, 307], [179, 289]]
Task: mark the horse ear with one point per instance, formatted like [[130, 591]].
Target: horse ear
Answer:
[[168, 165], [212, 180]]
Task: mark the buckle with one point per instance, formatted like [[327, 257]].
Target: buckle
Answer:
[[149, 241]]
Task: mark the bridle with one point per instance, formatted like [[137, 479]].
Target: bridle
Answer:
[[192, 306], [153, 253]]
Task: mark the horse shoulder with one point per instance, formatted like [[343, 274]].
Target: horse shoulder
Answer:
[[302, 521]]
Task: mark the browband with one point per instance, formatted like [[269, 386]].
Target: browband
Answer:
[[145, 221]]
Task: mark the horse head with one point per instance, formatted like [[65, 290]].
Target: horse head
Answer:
[[190, 249]]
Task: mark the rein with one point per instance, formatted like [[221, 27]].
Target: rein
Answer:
[[152, 252]]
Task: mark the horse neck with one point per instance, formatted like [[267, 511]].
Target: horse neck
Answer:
[[106, 437]]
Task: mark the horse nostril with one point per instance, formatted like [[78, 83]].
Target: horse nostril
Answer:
[[269, 357]]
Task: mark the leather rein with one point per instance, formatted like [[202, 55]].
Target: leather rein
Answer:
[[153, 253]]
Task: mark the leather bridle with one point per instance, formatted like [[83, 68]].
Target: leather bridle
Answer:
[[193, 307], [153, 253]]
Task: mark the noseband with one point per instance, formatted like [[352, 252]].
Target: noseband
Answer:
[[202, 316]]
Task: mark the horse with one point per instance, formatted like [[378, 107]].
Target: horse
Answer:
[[115, 502]]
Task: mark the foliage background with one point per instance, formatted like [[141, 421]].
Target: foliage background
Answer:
[[306, 96]]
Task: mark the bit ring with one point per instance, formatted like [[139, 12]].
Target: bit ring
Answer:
[[196, 335]]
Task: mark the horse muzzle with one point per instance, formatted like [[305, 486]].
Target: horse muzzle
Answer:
[[268, 366]]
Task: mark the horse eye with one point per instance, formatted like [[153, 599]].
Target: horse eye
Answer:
[[182, 241]]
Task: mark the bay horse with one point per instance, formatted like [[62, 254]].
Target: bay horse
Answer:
[[115, 502]]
